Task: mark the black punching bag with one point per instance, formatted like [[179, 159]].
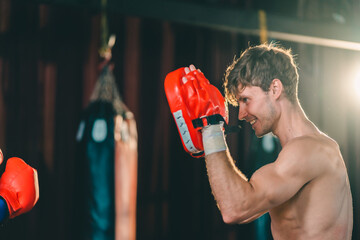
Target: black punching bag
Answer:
[[96, 145]]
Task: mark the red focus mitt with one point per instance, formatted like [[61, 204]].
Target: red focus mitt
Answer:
[[194, 104], [19, 187]]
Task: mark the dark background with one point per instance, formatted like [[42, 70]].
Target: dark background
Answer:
[[48, 68]]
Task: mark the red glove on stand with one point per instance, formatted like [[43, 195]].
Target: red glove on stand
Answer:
[[19, 187], [194, 105]]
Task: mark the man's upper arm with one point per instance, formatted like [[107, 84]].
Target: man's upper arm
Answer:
[[277, 182]]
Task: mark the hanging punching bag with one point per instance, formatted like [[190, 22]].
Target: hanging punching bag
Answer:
[[125, 176], [109, 167], [98, 148], [96, 137]]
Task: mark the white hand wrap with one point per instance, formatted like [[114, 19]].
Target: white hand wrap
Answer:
[[213, 139]]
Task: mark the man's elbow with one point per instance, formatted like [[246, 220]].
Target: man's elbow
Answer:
[[235, 218], [228, 219]]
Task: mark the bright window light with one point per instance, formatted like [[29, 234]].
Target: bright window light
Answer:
[[357, 87]]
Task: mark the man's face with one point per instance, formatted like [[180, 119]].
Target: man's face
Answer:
[[257, 108]]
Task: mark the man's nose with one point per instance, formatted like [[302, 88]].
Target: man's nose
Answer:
[[242, 112]]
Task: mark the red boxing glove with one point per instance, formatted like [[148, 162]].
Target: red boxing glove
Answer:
[[194, 104], [19, 187]]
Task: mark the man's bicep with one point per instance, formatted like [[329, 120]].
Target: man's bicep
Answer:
[[278, 182]]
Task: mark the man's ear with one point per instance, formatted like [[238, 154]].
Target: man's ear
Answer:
[[276, 88]]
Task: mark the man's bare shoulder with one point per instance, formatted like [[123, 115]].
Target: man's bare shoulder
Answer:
[[312, 154], [309, 146]]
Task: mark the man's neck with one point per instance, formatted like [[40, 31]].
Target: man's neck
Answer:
[[292, 123]]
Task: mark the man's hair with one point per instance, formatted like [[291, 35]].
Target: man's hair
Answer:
[[258, 66]]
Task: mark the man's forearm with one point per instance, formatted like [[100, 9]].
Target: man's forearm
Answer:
[[230, 187]]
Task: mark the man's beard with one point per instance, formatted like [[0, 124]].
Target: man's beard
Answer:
[[267, 121]]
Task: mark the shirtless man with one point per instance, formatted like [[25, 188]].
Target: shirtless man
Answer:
[[306, 190]]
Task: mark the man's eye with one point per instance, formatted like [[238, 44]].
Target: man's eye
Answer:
[[243, 100]]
